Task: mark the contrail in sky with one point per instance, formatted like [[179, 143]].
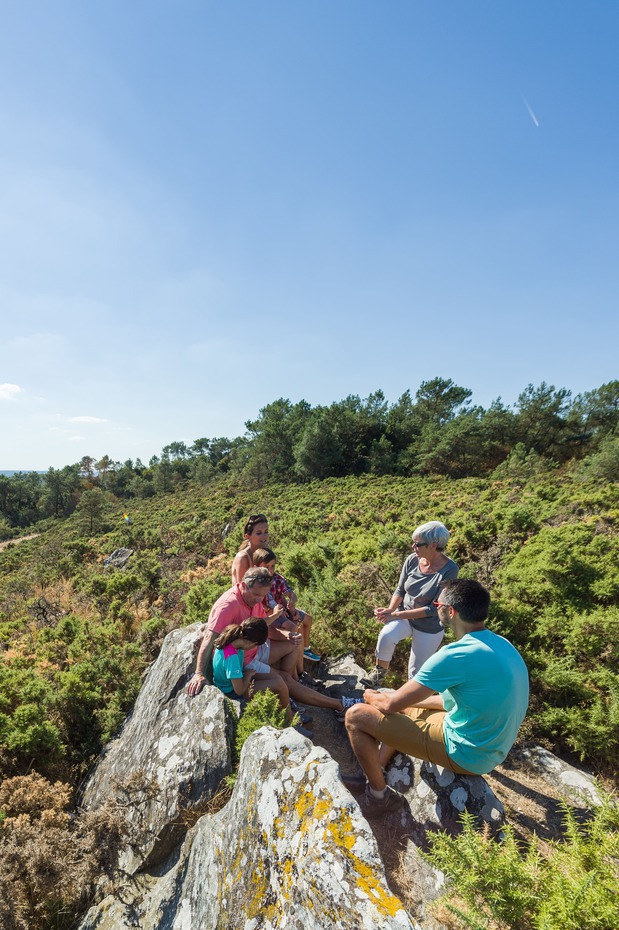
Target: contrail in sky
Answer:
[[531, 113]]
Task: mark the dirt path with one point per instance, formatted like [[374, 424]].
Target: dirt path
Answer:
[[13, 542]]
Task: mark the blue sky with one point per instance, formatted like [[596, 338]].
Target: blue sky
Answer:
[[206, 206]]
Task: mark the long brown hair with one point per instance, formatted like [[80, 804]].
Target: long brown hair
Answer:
[[255, 630], [252, 521]]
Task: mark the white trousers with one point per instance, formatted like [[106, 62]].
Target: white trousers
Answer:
[[423, 645]]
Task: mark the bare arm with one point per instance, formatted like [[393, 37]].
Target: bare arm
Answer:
[[384, 613], [240, 564], [241, 685], [197, 682]]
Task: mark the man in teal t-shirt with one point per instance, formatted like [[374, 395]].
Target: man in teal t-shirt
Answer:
[[470, 725]]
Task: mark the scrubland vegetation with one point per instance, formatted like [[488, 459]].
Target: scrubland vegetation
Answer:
[[535, 517]]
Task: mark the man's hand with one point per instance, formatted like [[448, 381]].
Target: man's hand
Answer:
[[195, 684], [377, 699]]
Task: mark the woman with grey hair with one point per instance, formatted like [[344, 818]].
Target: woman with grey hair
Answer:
[[411, 611]]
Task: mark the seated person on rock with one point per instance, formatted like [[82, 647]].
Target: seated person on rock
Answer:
[[469, 726], [282, 595], [411, 611], [241, 601], [232, 677]]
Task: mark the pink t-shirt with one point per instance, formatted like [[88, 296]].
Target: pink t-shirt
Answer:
[[231, 608]]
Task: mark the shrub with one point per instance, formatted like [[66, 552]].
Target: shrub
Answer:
[[263, 710], [50, 861], [575, 886]]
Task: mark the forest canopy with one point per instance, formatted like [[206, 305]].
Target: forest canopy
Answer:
[[439, 431]]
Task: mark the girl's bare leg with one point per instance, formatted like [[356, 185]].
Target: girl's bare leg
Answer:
[[308, 696]]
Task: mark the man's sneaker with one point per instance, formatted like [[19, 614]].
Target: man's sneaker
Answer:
[[308, 681], [347, 702], [375, 678], [375, 807], [310, 656]]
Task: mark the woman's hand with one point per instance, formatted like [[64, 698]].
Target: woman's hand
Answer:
[[382, 614]]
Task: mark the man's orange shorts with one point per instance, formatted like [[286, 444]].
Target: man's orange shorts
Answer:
[[418, 732]]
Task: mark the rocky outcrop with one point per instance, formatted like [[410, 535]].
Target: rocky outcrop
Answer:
[[118, 558], [176, 746], [574, 784], [290, 850]]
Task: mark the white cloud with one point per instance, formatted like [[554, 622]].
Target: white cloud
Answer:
[[76, 439], [9, 391], [86, 420]]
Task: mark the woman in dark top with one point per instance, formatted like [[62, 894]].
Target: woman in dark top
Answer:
[[411, 611]]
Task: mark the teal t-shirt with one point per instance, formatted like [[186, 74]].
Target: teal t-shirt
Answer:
[[484, 684], [227, 664]]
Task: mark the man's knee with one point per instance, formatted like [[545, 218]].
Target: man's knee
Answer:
[[362, 717]]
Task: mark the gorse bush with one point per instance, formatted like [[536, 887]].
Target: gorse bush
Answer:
[[573, 885], [263, 710]]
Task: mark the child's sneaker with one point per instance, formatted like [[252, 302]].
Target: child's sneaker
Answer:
[[303, 716], [347, 703], [310, 656]]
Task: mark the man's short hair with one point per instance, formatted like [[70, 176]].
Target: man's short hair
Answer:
[[257, 577], [468, 597]]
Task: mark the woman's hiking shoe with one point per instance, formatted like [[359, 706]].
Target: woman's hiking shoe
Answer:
[[377, 807], [375, 678], [310, 656], [347, 703]]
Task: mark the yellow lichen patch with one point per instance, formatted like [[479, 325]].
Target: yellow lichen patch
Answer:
[[367, 880]]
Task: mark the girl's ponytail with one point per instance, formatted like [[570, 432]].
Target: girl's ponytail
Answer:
[[254, 629]]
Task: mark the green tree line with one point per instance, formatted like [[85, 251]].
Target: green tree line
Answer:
[[437, 432]]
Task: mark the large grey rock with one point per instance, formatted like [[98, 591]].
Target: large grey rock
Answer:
[[290, 851], [180, 745], [578, 786]]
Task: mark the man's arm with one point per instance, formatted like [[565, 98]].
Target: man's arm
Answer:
[[409, 695], [197, 682]]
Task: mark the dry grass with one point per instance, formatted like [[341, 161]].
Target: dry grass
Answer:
[[191, 815]]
